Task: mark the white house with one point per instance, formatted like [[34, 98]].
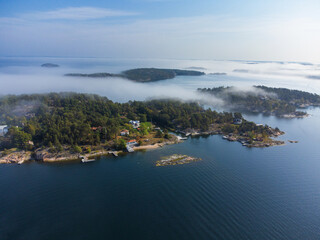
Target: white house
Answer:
[[135, 124], [132, 143], [124, 132], [237, 121], [3, 130]]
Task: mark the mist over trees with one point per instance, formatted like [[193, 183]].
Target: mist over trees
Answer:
[[75, 119]]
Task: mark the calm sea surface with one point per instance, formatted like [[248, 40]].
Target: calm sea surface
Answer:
[[233, 193]]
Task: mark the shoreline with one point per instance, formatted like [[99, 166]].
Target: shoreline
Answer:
[[20, 157], [45, 156]]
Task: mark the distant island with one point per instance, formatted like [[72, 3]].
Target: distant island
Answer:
[[93, 75], [241, 70], [49, 65], [143, 74], [197, 68], [314, 77], [62, 126], [218, 73], [281, 102]]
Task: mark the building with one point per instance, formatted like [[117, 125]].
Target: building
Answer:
[[132, 143], [135, 124], [124, 132], [96, 128], [237, 121], [3, 130]]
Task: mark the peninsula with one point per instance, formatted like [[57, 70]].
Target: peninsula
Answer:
[[143, 74], [60, 126]]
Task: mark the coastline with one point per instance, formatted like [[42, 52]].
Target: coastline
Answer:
[[20, 157], [43, 155]]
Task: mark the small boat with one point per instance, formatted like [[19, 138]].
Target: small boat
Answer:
[[85, 159], [182, 138]]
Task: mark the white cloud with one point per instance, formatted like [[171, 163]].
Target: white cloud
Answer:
[[210, 37], [77, 13]]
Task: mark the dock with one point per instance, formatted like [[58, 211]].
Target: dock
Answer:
[[114, 153], [130, 149]]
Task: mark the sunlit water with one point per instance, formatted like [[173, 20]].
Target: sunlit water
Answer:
[[233, 193]]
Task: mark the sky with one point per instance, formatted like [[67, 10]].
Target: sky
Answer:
[[278, 30]]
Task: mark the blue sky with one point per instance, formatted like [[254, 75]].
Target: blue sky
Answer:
[[203, 29]]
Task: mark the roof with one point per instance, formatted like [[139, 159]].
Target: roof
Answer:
[[124, 130], [132, 141], [3, 127]]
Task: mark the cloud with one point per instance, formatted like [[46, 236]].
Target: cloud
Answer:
[[43, 80], [201, 37], [77, 13]]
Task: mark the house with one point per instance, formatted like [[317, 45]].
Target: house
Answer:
[[237, 121], [135, 124], [96, 128], [158, 129], [3, 130], [124, 132], [132, 143]]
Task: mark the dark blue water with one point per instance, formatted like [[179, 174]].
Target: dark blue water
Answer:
[[233, 193]]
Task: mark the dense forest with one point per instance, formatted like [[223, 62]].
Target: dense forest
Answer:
[[155, 74], [142, 74], [57, 119], [276, 101]]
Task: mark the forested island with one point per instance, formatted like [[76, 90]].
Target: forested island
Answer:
[[143, 74], [94, 75], [281, 102], [64, 125], [50, 65]]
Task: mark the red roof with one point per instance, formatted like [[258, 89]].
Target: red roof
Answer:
[[132, 140]]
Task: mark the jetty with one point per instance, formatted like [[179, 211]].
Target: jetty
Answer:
[[114, 153]]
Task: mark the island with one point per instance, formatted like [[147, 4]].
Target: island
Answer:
[[62, 126], [241, 70], [93, 75], [49, 65], [143, 74], [316, 77], [280, 102], [176, 159], [197, 68], [218, 74]]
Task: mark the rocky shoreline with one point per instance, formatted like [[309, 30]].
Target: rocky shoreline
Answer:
[[44, 155], [176, 159], [244, 139]]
